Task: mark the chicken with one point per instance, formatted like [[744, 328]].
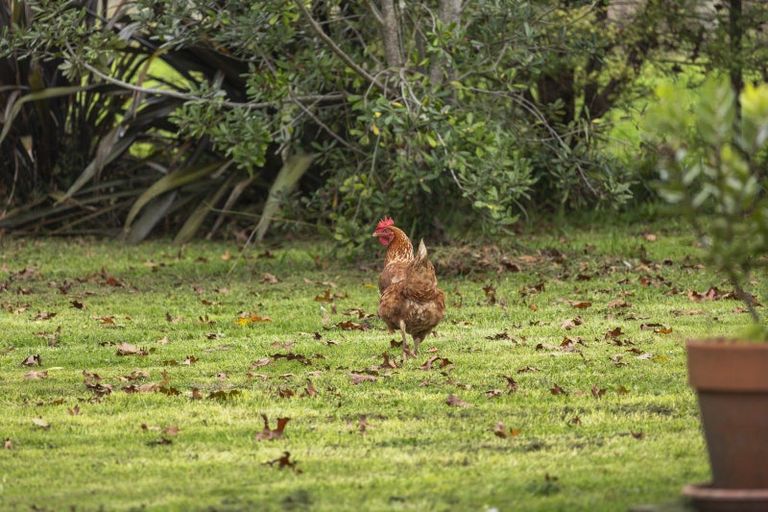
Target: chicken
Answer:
[[410, 300], [399, 252]]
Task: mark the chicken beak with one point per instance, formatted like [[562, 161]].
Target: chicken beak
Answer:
[[374, 234]]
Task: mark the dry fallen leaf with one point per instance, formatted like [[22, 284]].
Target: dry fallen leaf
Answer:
[[269, 434], [41, 423], [33, 360], [501, 431], [571, 323], [455, 401], [580, 304], [8, 444], [251, 318], [557, 390], [36, 375], [268, 278], [284, 462], [358, 378], [127, 349]]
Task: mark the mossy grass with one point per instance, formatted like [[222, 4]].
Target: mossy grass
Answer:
[[625, 432]]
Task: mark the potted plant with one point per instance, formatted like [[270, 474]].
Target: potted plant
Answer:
[[712, 161]]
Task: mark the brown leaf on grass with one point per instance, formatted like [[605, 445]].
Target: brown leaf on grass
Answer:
[[441, 361], [358, 378], [531, 289], [269, 434], [613, 333], [189, 360], [490, 294], [574, 421], [650, 326], [172, 319], [44, 315], [268, 278], [362, 424], [663, 330], [349, 325], [223, 395], [77, 304], [329, 296], [511, 384], [621, 390], [41, 423], [161, 441], [251, 318], [285, 392], [637, 435], [650, 237], [310, 389], [503, 335], [149, 387], [135, 375], [619, 303], [533, 307], [283, 345], [455, 401], [127, 349], [36, 375], [501, 431], [527, 369], [33, 360], [597, 392], [264, 361], [569, 344], [284, 462], [51, 337], [557, 390], [387, 361], [8, 444], [91, 376], [290, 356], [205, 320], [74, 411], [580, 304], [571, 323], [195, 394], [493, 393], [107, 320]]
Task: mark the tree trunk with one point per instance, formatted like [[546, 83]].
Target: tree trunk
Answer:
[[735, 31], [448, 13], [391, 34]]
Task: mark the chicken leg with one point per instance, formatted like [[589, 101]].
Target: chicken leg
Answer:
[[405, 340]]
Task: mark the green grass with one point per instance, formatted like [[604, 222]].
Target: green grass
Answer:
[[418, 453]]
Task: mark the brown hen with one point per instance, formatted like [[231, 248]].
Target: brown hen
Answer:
[[410, 300]]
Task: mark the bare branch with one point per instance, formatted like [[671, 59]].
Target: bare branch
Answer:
[[375, 11]]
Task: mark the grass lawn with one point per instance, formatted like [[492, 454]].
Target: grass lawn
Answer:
[[596, 421]]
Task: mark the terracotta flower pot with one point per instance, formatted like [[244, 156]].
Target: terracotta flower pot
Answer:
[[731, 380]]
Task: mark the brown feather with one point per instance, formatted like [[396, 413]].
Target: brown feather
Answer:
[[414, 298]]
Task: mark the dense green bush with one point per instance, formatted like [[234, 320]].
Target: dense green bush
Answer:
[[448, 116]]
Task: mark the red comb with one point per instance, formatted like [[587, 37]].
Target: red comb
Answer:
[[385, 223]]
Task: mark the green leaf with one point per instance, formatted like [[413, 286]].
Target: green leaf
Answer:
[[170, 182]]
